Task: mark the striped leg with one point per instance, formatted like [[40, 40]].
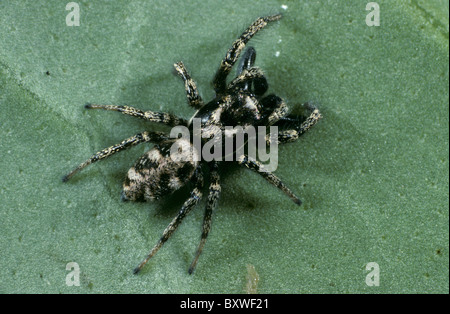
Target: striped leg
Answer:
[[257, 167], [159, 117], [213, 197], [233, 53], [195, 196], [246, 76], [192, 94], [139, 138], [288, 136]]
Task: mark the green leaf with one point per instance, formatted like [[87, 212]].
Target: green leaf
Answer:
[[373, 174]]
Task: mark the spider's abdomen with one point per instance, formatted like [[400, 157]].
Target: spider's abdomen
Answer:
[[157, 173]]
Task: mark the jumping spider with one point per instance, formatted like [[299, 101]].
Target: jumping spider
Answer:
[[240, 102]]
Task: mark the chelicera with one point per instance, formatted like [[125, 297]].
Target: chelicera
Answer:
[[241, 102]]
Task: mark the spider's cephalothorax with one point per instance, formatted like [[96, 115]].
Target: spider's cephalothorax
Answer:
[[240, 102]]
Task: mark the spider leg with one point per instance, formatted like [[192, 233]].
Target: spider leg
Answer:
[[233, 53], [192, 94], [159, 117], [269, 176], [107, 152], [288, 136], [195, 196], [251, 79], [245, 77], [213, 197]]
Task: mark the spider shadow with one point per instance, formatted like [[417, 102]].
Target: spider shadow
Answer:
[[233, 198], [169, 205]]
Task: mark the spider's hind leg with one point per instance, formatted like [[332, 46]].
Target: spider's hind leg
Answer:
[[213, 197], [139, 138], [188, 205], [194, 98]]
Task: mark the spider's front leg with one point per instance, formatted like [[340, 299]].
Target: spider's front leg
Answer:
[[273, 109], [234, 52], [194, 198], [301, 126], [251, 79], [139, 138], [257, 167], [192, 93]]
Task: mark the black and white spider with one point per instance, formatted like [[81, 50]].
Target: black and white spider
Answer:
[[239, 102]]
